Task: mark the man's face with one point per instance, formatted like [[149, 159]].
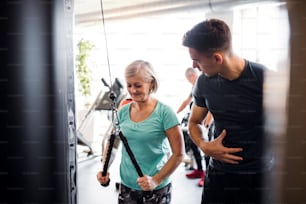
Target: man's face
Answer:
[[206, 64]]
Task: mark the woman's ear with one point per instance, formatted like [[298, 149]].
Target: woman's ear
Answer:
[[218, 58]]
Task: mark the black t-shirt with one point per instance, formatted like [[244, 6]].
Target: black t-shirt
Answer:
[[237, 106]]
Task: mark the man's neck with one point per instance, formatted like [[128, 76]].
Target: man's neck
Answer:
[[233, 66]]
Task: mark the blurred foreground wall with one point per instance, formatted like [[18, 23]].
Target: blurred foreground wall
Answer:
[[37, 142]]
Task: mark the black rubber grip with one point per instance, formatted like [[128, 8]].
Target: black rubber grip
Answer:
[[106, 184]]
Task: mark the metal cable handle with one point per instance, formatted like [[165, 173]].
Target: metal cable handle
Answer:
[[115, 133], [107, 159], [130, 153]]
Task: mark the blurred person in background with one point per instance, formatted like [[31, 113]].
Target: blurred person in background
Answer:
[[192, 76]]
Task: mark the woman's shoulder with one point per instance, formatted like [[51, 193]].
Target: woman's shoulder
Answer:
[[161, 104], [124, 109], [163, 107], [167, 114]]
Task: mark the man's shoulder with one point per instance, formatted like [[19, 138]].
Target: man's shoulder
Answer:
[[203, 78], [256, 66], [257, 70]]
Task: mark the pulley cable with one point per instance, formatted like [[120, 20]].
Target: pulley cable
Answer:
[[116, 130], [106, 47]]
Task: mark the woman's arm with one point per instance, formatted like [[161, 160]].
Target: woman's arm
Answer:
[[176, 142], [175, 138]]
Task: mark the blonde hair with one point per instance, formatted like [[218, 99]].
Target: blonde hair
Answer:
[[147, 72]]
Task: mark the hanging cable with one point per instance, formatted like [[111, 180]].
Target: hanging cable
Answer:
[[106, 47], [115, 120]]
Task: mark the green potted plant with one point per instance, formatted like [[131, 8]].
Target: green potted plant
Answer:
[[83, 72]]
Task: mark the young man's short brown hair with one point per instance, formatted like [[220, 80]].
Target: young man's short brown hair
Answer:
[[209, 36]]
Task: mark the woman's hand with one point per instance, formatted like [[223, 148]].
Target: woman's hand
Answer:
[[103, 180], [147, 183]]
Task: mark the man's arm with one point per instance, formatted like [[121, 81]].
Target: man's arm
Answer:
[[195, 123], [214, 148]]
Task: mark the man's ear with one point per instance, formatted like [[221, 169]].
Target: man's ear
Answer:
[[218, 58]]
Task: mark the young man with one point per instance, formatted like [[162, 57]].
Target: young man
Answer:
[[231, 88]]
